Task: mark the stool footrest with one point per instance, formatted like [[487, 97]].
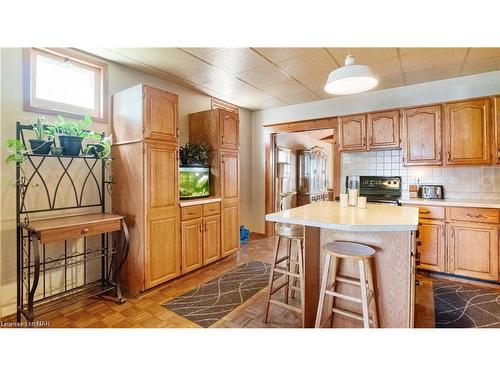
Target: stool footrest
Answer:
[[343, 296], [286, 306], [350, 314], [279, 270], [348, 280]]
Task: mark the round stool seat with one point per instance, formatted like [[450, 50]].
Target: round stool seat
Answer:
[[349, 249], [291, 232]]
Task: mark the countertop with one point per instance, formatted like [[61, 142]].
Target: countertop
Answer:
[[196, 201], [329, 215], [479, 203]]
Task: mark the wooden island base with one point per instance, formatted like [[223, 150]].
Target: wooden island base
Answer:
[[394, 272]]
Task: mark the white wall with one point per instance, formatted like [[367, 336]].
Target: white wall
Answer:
[[120, 78], [424, 93]]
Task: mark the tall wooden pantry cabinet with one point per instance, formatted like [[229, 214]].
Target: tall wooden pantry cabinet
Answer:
[[219, 129], [145, 171]]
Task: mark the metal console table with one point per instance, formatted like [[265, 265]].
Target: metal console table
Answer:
[[35, 262]]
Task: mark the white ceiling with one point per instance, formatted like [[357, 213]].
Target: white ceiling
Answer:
[[258, 78]]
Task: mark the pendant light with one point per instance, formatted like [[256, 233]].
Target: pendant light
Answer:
[[350, 79]]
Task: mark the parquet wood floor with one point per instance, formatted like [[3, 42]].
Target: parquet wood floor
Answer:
[[147, 311]]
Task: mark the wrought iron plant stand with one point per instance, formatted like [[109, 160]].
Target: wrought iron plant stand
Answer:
[[35, 264]]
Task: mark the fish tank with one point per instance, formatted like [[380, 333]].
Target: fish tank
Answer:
[[193, 182]]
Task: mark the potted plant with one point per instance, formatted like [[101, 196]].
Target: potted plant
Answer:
[[71, 134], [40, 145], [17, 151], [101, 148], [194, 154]]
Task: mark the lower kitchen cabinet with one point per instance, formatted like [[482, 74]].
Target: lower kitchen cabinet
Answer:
[[192, 245], [431, 245], [211, 239], [473, 250]]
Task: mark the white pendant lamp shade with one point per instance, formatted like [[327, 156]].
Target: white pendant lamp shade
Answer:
[[350, 79]]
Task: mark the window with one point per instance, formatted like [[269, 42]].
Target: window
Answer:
[[62, 82]]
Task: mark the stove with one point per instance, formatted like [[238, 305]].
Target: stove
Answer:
[[378, 189]]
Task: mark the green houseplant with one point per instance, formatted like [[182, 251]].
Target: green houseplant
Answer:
[[17, 151], [101, 147], [194, 154], [71, 133], [40, 145]]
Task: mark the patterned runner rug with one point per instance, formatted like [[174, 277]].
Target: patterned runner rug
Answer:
[[459, 305], [212, 301]]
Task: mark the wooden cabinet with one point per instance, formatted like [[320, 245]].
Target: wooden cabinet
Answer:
[[230, 176], [218, 128], [352, 133], [383, 130], [211, 239], [230, 229], [421, 136], [473, 250], [144, 162], [496, 118], [192, 245], [432, 245], [468, 132], [201, 237]]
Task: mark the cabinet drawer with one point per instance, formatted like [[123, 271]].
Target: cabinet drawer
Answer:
[[191, 212], [483, 215], [431, 212], [211, 209], [77, 231]]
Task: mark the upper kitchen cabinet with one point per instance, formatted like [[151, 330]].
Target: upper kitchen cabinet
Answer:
[[352, 133], [217, 127], [497, 129], [383, 130], [145, 113], [421, 136], [468, 132]]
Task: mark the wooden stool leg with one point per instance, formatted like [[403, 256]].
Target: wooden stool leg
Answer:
[[364, 297], [335, 267], [271, 278], [287, 267], [322, 290], [300, 257], [371, 288], [296, 269]]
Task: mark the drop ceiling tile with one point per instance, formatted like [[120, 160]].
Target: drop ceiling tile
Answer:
[[432, 58], [230, 86], [482, 53], [264, 100], [264, 76], [224, 97], [285, 89], [281, 54], [432, 74], [316, 82], [199, 52], [160, 58], [389, 67], [308, 65], [300, 98], [236, 60], [481, 66], [386, 82], [198, 72], [364, 56]]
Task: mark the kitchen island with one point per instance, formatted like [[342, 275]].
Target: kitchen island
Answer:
[[391, 230]]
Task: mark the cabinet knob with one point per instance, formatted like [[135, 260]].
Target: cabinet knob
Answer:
[[85, 230]]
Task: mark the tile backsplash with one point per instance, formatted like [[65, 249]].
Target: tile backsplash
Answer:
[[476, 182]]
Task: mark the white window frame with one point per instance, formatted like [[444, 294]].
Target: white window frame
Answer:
[[48, 107]]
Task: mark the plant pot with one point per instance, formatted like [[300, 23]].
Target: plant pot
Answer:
[[94, 149], [56, 151], [40, 146], [71, 144]]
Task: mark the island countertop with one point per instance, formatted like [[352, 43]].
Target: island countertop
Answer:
[[329, 215]]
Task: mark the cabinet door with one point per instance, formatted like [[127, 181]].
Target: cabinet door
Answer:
[[473, 250], [496, 112], [230, 177], [211, 239], [160, 115], [162, 242], [467, 132], [229, 129], [383, 130], [230, 229], [421, 136], [352, 133], [431, 246], [192, 245]]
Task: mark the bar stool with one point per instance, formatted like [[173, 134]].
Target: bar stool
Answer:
[[363, 254], [289, 234]]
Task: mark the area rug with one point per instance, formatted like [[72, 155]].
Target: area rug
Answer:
[[212, 301], [459, 305]]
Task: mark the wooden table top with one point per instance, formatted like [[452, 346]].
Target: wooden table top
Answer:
[[71, 221]]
